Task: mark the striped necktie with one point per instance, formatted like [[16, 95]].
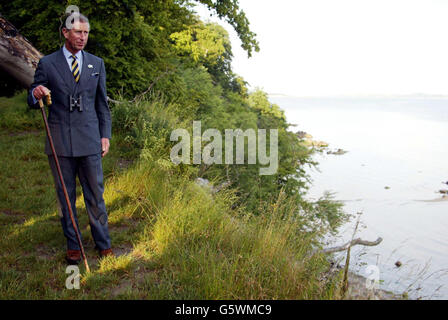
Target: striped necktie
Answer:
[[75, 68]]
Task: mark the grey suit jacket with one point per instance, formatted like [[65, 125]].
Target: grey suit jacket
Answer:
[[75, 133]]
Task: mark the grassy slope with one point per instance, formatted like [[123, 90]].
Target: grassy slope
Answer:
[[174, 239]]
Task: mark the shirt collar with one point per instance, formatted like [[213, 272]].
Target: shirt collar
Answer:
[[68, 54]]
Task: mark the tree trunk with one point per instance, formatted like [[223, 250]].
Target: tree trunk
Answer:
[[17, 55]]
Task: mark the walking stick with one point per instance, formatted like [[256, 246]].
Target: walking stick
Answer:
[[61, 179]]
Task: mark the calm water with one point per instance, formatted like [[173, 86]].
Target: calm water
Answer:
[[399, 143]]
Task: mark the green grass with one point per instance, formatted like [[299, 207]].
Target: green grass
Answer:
[[173, 239]]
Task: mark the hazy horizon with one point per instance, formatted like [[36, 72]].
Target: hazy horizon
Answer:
[[361, 95], [346, 47]]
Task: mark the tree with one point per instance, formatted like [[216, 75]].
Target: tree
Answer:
[[132, 36], [230, 11]]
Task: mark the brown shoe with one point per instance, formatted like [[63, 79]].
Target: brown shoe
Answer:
[[73, 257], [107, 252]]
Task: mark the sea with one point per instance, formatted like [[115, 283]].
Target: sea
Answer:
[[391, 174]]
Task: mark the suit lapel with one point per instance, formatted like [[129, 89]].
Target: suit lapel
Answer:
[[64, 70], [84, 72]]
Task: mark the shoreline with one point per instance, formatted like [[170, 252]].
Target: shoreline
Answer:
[[357, 290]]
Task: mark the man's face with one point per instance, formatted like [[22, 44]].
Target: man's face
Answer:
[[76, 38]]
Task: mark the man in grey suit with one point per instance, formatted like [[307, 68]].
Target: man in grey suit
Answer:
[[80, 123]]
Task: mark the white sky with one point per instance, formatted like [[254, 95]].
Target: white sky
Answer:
[[345, 47]]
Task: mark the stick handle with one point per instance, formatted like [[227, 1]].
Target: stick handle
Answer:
[[48, 98]]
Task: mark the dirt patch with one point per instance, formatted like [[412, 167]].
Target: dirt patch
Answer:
[[132, 283], [123, 226], [122, 288], [122, 250], [45, 253]]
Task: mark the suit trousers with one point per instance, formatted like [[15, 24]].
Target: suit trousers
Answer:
[[90, 173]]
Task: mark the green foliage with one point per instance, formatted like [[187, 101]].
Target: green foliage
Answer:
[[174, 239], [204, 43], [252, 240], [187, 65], [138, 40], [259, 101], [217, 254], [230, 11]]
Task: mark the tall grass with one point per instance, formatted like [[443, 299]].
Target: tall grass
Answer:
[[202, 249], [174, 239]]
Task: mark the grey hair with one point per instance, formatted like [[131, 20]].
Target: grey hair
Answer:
[[71, 18]]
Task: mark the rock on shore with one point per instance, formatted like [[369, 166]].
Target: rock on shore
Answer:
[[358, 290], [308, 140]]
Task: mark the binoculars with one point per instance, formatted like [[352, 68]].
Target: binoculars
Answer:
[[75, 103]]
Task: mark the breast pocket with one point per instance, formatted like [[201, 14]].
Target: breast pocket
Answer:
[[93, 78]]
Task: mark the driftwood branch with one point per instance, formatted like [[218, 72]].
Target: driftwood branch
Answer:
[[18, 57], [115, 101], [352, 243]]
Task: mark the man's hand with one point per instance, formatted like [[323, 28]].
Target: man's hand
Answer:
[[40, 92], [104, 146]]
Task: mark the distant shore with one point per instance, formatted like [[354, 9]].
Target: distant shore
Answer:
[[361, 96]]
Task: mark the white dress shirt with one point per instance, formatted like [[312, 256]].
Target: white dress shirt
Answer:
[[67, 55]]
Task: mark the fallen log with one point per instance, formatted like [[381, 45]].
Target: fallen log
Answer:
[[18, 57]]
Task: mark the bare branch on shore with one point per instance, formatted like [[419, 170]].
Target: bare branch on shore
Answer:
[[354, 242]]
